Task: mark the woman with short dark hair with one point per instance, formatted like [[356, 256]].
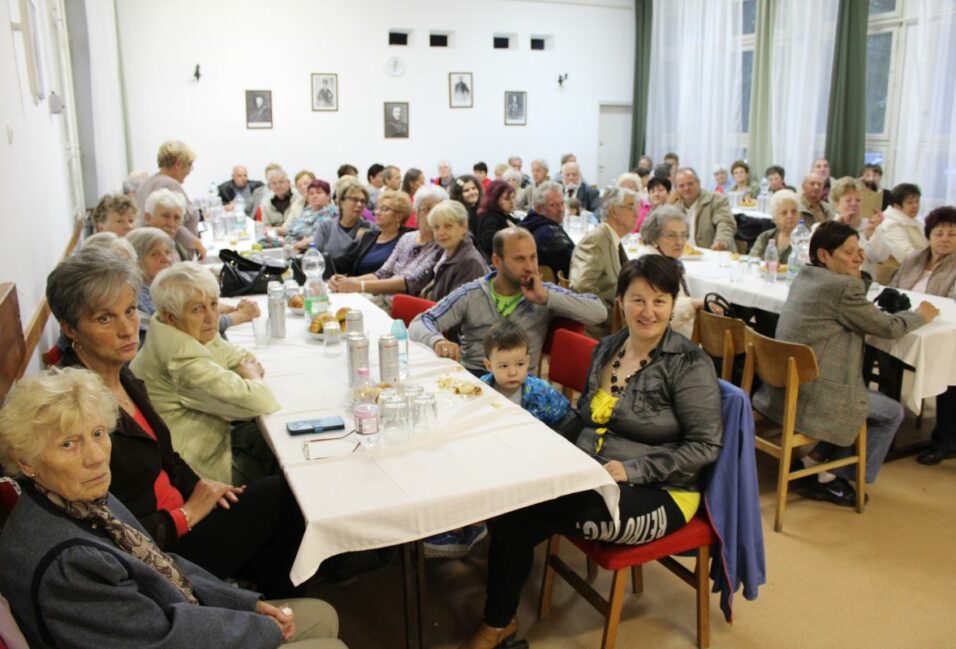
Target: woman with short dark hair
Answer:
[[495, 214], [740, 171], [651, 414], [901, 229], [828, 311]]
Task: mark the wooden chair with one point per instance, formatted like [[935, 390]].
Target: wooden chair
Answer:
[[563, 281], [569, 367], [546, 274], [406, 307], [697, 536], [788, 366], [13, 360], [884, 271], [721, 337]]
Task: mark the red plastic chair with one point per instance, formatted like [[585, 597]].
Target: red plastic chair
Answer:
[[697, 536], [559, 323], [9, 495], [570, 360], [406, 307]]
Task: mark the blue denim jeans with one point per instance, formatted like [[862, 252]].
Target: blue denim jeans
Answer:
[[884, 420]]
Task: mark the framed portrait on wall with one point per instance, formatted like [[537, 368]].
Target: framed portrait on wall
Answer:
[[396, 119], [325, 91], [461, 90], [258, 109], [516, 108]]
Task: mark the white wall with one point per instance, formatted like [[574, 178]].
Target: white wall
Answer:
[[36, 220], [253, 44]]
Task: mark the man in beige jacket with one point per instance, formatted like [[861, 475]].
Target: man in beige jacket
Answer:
[[711, 223]]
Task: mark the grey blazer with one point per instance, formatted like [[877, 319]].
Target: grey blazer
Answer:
[[830, 313], [69, 585], [715, 222]]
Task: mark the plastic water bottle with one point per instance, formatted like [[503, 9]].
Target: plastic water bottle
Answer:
[[316, 292], [764, 186], [772, 257], [239, 205], [799, 249], [401, 335]]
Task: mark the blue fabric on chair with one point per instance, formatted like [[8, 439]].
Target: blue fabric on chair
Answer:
[[733, 504]]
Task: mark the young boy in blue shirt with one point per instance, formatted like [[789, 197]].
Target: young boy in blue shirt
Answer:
[[507, 361]]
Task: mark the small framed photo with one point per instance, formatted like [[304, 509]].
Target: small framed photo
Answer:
[[325, 91], [396, 119], [258, 109], [516, 108], [460, 90]]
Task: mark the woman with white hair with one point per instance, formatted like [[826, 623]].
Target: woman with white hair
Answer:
[[200, 382], [785, 208], [93, 297], [411, 265], [280, 205], [154, 252], [164, 209], [664, 232], [461, 261]]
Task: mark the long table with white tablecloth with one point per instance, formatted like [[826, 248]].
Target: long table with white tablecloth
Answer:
[[486, 456]]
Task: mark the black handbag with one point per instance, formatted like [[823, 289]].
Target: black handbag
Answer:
[[242, 276]]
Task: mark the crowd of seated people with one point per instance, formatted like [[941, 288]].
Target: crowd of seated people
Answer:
[[167, 405]]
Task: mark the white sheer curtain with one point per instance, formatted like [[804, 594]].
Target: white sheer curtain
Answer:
[[926, 136], [803, 39], [694, 104]]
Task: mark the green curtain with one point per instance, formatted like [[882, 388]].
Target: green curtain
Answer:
[[643, 12], [760, 144], [846, 117]]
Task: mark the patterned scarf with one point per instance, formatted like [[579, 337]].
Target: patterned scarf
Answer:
[[127, 538]]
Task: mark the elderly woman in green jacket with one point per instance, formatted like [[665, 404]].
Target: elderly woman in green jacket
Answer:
[[200, 383]]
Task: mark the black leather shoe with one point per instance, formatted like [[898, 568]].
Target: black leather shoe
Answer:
[[933, 456]]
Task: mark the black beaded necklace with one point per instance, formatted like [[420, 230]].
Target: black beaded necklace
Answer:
[[616, 365]]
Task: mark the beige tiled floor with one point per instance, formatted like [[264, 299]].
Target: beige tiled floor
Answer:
[[834, 579]]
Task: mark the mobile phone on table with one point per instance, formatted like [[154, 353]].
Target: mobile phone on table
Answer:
[[310, 426]]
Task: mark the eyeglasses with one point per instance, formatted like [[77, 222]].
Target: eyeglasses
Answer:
[[675, 236], [383, 208], [356, 199]]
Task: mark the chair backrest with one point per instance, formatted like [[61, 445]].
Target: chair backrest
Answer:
[[9, 495], [885, 271], [559, 323], [546, 274], [777, 362], [563, 281], [406, 307], [571, 358], [721, 337], [12, 341]]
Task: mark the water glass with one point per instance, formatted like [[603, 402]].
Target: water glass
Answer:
[[394, 412], [412, 392], [332, 334], [423, 413], [723, 258], [260, 332], [737, 269]]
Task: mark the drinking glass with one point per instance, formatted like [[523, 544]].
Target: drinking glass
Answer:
[[723, 258], [332, 334], [260, 332], [394, 418], [424, 413], [412, 392], [737, 269]]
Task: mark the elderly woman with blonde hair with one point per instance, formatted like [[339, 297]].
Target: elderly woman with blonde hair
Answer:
[[280, 205], [114, 213], [846, 196], [461, 261], [200, 383], [72, 555], [175, 160]]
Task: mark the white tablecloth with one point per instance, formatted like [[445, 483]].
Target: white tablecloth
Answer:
[[486, 457], [929, 349]]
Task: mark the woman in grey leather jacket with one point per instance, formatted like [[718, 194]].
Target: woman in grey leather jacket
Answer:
[[651, 415]]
